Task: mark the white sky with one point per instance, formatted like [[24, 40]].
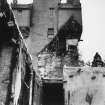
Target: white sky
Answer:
[[93, 13]]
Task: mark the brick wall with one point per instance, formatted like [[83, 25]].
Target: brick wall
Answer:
[[5, 61]]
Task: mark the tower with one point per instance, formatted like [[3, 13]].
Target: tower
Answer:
[[49, 16], [44, 22], [14, 1]]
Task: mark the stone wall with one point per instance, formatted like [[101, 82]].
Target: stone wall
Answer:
[[84, 86], [42, 20], [5, 62]]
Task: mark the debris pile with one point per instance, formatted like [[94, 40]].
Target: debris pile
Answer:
[[49, 65]]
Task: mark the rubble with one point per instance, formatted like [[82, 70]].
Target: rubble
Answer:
[[49, 65]]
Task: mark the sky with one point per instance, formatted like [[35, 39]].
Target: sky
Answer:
[[93, 16], [93, 36]]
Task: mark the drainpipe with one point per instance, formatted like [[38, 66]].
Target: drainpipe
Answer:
[[31, 89]]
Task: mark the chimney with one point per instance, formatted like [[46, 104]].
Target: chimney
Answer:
[[15, 2]]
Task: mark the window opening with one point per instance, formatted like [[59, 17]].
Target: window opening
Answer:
[[50, 32]]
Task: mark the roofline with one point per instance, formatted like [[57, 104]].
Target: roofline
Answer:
[[21, 6], [69, 6]]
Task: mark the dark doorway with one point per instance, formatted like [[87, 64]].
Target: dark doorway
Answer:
[[53, 94]]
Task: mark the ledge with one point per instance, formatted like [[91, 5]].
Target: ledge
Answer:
[[49, 80], [69, 6], [21, 6]]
